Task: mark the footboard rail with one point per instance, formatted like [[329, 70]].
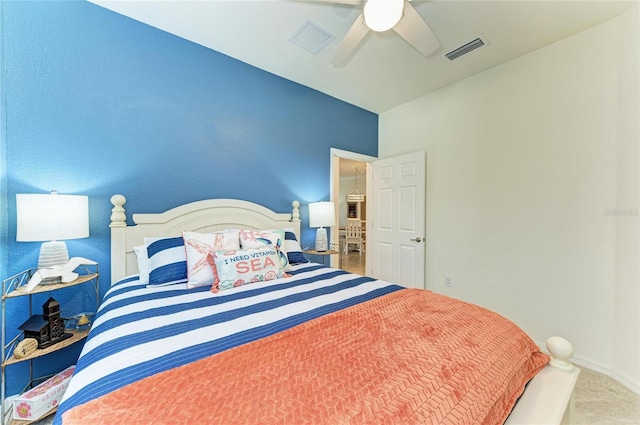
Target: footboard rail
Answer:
[[549, 395]]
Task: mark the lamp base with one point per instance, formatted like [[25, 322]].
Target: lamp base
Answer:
[[53, 253], [322, 244]]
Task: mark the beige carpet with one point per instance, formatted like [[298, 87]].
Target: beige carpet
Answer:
[[599, 400]]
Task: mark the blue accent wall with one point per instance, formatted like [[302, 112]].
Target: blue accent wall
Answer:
[[98, 104]]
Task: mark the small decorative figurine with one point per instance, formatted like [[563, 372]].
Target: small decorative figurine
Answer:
[[25, 347], [48, 328], [80, 322]]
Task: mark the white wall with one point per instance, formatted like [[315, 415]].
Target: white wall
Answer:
[[532, 191]]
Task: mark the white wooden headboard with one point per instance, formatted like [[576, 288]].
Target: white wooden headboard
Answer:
[[200, 216]]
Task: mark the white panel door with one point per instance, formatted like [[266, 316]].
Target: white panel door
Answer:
[[396, 220]]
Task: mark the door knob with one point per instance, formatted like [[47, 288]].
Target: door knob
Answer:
[[418, 239]]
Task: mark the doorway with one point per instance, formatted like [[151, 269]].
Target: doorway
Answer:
[[352, 215], [349, 194]]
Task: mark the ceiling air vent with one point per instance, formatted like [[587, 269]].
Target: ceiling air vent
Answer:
[[311, 37], [464, 49]]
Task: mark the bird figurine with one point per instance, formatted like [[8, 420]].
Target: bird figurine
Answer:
[[65, 272]]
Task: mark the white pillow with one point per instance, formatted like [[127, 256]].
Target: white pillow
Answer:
[[200, 249], [143, 263]]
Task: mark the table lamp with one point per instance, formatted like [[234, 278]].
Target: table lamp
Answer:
[[321, 215], [52, 219]]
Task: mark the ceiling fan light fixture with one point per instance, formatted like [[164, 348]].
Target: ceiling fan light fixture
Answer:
[[382, 15]]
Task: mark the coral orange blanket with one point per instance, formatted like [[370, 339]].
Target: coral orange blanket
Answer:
[[408, 357]]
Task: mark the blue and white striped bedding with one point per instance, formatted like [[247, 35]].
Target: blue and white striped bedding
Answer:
[[140, 331]]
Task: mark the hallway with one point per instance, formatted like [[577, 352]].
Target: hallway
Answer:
[[353, 262]]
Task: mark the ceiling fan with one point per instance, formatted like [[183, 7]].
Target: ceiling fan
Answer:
[[383, 15]]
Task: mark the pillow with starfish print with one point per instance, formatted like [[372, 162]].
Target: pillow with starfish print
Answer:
[[199, 249]]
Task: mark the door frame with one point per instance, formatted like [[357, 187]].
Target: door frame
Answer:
[[334, 192]]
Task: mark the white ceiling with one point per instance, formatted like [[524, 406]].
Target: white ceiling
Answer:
[[385, 71]]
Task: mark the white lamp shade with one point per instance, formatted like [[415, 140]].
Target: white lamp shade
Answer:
[[51, 217], [322, 214], [382, 15]]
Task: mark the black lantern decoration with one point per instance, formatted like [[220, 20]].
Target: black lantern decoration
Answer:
[[48, 328]]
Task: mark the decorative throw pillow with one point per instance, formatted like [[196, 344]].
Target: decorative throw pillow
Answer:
[[251, 239], [167, 261], [293, 248], [236, 268], [200, 247]]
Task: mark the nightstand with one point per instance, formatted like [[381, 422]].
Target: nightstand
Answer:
[[15, 287], [324, 254]]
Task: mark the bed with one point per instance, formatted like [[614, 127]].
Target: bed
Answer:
[[298, 342]]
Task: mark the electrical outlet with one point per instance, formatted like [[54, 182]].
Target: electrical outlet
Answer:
[[448, 281]]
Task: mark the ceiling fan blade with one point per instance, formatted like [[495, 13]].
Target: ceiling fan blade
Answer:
[[351, 2], [416, 31], [351, 40]]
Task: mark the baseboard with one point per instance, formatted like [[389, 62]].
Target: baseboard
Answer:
[[588, 363], [626, 381]]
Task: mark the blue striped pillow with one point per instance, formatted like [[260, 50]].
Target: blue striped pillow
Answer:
[[167, 261], [294, 251]]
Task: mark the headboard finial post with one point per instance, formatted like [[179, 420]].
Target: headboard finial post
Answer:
[[118, 215], [295, 213]]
